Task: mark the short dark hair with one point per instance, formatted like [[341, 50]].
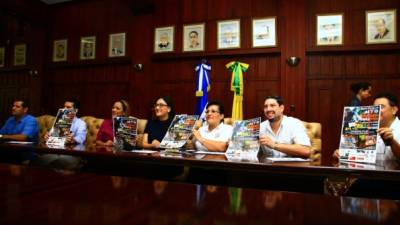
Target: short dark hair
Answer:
[[167, 99], [25, 102], [221, 108], [278, 98], [389, 96], [356, 87], [75, 102]]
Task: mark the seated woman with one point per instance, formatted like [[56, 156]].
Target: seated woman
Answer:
[[105, 136], [361, 91], [213, 136], [157, 128]]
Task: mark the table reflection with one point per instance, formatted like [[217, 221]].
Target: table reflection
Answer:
[[82, 198], [372, 209]]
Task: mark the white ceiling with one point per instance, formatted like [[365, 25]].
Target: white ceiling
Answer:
[[51, 2]]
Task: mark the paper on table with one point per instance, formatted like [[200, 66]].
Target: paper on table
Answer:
[[143, 151], [287, 159], [21, 142], [210, 153]]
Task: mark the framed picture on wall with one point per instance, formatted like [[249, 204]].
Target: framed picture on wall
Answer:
[[164, 39], [60, 48], [380, 26], [228, 34], [116, 45], [193, 37], [330, 29], [88, 48], [2, 56], [19, 55], [264, 32]]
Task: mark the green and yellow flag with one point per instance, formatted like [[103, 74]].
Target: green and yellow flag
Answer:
[[237, 69]]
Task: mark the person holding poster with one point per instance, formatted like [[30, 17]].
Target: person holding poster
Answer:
[[388, 147]]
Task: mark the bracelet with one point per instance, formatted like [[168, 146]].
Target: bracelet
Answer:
[[275, 145]]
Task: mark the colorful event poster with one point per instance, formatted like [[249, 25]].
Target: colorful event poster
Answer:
[[359, 134], [61, 127], [245, 137], [179, 131], [125, 132]]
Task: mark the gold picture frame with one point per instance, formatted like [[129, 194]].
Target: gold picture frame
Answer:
[[380, 26], [60, 50], [329, 29], [264, 32], [117, 45], [87, 48], [228, 35], [164, 39], [19, 58], [193, 37]]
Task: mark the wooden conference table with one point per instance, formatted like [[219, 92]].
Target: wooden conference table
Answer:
[[32, 195], [247, 172]]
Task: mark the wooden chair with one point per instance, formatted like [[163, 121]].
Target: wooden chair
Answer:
[[314, 132], [140, 131], [93, 125]]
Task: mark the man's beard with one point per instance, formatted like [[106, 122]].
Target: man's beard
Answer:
[[276, 118], [272, 120]]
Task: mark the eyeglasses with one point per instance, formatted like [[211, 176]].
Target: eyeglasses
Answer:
[[159, 105], [211, 111]]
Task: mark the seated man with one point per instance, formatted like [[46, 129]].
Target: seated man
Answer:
[[78, 128], [20, 126], [281, 135], [388, 140]]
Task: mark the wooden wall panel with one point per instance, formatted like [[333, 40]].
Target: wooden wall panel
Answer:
[[193, 11], [22, 23], [261, 77], [100, 95], [329, 90], [354, 20]]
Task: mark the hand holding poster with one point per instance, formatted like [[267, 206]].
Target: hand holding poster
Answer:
[[359, 134], [61, 127], [125, 132], [179, 131]]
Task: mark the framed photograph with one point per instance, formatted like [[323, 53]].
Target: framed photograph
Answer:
[[19, 55], [330, 29], [164, 39], [228, 34], [264, 32], [380, 26], [193, 37], [88, 48], [2, 56], [116, 45], [60, 50]]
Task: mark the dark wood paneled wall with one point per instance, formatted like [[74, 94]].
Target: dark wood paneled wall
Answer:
[[331, 70], [22, 22], [316, 89]]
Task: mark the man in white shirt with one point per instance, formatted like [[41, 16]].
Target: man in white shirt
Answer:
[[280, 135], [388, 147], [388, 140], [78, 128]]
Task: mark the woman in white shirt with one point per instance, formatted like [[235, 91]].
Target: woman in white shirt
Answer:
[[214, 135]]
